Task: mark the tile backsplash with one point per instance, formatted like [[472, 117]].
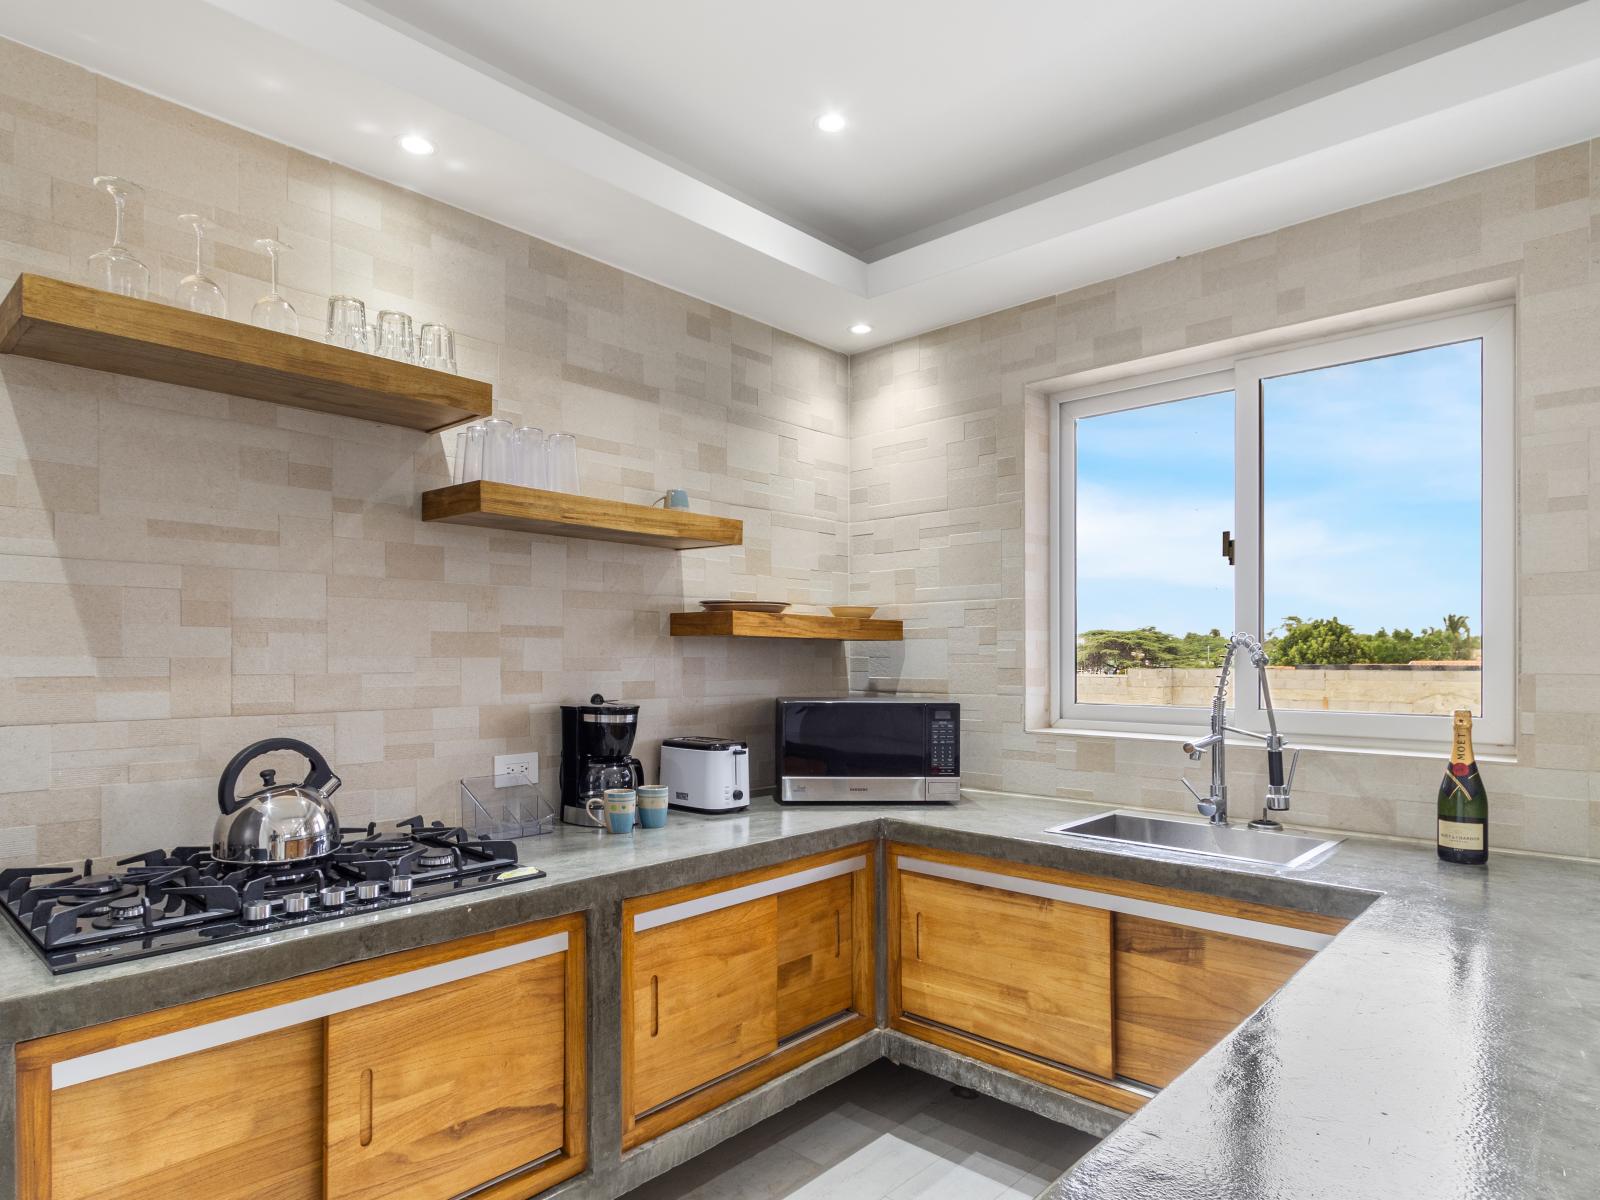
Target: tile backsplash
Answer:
[[949, 493], [182, 573]]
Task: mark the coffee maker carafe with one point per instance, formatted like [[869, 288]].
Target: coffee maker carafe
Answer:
[[595, 740]]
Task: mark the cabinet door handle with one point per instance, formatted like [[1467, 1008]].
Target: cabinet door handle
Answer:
[[655, 1005], [366, 1107], [918, 954], [838, 933]]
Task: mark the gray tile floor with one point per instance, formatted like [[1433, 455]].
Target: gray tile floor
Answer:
[[885, 1133]]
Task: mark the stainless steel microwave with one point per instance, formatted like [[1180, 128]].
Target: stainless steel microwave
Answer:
[[868, 750]]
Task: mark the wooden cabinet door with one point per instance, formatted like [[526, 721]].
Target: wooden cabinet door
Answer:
[[432, 1094], [704, 999], [1026, 972], [816, 950], [237, 1122], [1180, 991]]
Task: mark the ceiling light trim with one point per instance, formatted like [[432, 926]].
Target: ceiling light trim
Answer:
[[365, 44]]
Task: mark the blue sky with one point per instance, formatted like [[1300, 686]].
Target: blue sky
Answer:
[[1370, 500]]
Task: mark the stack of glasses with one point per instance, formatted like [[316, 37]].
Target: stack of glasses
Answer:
[[392, 337], [498, 451]]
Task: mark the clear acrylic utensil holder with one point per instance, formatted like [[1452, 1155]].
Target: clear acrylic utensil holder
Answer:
[[517, 811]]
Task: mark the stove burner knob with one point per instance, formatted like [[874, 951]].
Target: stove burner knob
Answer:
[[296, 903], [369, 889], [256, 911], [400, 885], [331, 897]]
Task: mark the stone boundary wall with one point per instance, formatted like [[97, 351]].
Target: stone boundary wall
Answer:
[[1391, 689]]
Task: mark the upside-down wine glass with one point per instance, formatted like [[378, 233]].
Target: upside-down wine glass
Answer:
[[272, 311], [115, 269], [198, 292]]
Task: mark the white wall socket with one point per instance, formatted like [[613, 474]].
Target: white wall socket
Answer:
[[510, 770]]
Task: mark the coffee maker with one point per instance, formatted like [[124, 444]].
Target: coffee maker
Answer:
[[595, 740]]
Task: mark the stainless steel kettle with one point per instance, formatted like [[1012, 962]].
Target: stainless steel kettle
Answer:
[[283, 822]]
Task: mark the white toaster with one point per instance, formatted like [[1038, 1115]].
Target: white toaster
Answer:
[[706, 774]]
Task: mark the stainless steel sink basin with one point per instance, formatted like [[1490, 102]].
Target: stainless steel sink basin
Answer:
[[1237, 843]]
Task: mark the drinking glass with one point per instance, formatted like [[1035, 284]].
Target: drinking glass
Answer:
[[197, 291], [115, 269], [272, 311], [394, 336], [561, 462], [497, 463], [469, 454], [347, 323], [528, 455], [436, 347]]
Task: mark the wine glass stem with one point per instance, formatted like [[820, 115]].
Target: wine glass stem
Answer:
[[272, 261], [199, 239], [121, 202]]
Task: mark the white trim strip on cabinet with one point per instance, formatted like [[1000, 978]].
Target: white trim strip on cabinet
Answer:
[[700, 905], [165, 1046], [1260, 931]]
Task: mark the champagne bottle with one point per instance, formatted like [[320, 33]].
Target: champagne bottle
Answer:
[[1463, 804]]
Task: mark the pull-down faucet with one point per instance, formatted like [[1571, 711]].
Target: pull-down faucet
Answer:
[[1215, 805]]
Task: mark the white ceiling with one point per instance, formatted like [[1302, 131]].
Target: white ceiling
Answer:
[[996, 153], [954, 106]]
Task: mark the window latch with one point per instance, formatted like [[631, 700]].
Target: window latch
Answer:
[[1227, 546]]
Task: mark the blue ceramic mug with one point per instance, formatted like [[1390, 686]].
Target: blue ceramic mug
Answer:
[[620, 806], [652, 806]]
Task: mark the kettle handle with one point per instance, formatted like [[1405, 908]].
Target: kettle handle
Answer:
[[321, 774]]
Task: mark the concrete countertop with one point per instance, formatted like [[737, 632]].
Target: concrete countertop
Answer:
[[1447, 1044]]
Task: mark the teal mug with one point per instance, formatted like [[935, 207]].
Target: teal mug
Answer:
[[652, 806]]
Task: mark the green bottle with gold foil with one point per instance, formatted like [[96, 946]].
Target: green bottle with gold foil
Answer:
[[1463, 804]]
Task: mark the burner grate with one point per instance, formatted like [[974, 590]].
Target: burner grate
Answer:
[[164, 900]]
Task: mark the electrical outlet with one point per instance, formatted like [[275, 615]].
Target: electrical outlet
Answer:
[[512, 770]]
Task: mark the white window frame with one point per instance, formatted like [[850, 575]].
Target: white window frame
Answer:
[[1494, 327]]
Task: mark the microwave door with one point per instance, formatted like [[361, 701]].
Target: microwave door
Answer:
[[853, 753]]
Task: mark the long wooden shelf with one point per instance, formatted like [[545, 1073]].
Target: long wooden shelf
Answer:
[[785, 625], [85, 327], [533, 510]]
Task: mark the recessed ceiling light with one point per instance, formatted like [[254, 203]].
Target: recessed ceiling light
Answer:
[[831, 122], [415, 143], [861, 327]]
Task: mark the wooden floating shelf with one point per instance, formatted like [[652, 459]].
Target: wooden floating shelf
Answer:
[[785, 625], [86, 327], [533, 510]]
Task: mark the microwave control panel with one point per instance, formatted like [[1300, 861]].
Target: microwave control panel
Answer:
[[944, 745]]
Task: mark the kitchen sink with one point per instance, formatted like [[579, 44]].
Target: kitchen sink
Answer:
[[1236, 843]]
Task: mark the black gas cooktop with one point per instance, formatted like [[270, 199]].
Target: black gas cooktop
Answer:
[[162, 900]]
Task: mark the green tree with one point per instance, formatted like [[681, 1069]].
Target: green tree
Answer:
[[1113, 651], [1325, 641]]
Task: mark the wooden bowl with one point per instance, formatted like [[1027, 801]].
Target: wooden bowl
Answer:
[[853, 610]]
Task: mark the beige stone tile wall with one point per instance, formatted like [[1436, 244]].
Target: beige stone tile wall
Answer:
[[949, 489], [183, 572]]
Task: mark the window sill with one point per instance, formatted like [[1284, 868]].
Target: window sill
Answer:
[[1394, 749]]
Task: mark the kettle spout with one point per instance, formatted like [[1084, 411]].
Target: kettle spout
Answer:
[[328, 786]]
